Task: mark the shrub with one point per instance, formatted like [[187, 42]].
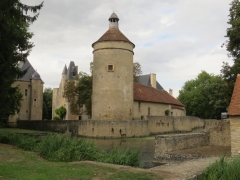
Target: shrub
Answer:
[[57, 118], [21, 141], [58, 147], [222, 170], [65, 148], [61, 112]]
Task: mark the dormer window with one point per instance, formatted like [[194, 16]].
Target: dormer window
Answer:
[[110, 68]]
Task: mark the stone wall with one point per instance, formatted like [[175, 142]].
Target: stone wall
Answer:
[[165, 144], [127, 128], [235, 131], [54, 126], [219, 132]]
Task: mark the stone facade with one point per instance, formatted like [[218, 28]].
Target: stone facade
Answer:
[[112, 97], [235, 135], [31, 87], [68, 74]]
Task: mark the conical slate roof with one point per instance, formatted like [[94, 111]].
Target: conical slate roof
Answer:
[[64, 70], [113, 34], [30, 74], [36, 75], [113, 16]]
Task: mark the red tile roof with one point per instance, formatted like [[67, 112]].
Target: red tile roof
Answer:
[[113, 34], [150, 94], [234, 108]]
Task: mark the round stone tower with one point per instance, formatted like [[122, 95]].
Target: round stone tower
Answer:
[[112, 97]]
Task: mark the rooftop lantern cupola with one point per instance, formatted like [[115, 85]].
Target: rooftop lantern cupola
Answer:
[[113, 21]]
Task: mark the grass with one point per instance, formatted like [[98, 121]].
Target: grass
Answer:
[[65, 148], [222, 170], [24, 165]]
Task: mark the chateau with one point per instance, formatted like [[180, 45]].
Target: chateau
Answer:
[[115, 96], [31, 87]]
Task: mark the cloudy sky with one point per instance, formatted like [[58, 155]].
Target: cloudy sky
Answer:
[[175, 39]]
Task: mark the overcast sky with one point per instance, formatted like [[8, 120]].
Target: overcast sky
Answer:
[[175, 39]]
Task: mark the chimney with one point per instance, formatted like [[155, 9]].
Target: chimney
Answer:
[[153, 80], [171, 92]]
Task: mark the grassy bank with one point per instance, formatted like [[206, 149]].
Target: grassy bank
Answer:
[[222, 170], [65, 148], [18, 164]]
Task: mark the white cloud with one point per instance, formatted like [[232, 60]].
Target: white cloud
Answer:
[[175, 39]]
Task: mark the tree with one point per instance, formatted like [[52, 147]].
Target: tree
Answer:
[[204, 96], [47, 104], [137, 70], [15, 46], [61, 112], [78, 93], [229, 73]]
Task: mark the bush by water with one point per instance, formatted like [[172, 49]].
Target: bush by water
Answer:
[[67, 148]]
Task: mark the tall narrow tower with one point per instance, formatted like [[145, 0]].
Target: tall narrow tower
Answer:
[[112, 97]]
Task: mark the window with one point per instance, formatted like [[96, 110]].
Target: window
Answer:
[[139, 106], [79, 117], [26, 111], [35, 99], [26, 92], [149, 112], [110, 68]]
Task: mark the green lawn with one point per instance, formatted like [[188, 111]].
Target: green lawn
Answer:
[[23, 165]]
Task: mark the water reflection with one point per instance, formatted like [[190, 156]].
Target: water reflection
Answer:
[[145, 145]]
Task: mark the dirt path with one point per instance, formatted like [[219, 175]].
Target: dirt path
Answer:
[[186, 169]]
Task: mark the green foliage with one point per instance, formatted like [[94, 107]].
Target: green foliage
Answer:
[[228, 72], [21, 141], [222, 170], [15, 46], [58, 147], [137, 70], [47, 103], [61, 112], [205, 96], [118, 156], [18, 164], [78, 93], [66, 148], [57, 118]]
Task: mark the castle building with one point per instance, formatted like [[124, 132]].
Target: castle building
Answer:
[[31, 86], [68, 74], [115, 96], [234, 113]]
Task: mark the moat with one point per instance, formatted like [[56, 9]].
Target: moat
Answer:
[[145, 145]]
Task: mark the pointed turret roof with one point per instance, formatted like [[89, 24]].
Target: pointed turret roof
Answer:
[[113, 16], [64, 70], [113, 33]]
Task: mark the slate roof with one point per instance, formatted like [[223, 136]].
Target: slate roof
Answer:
[[150, 94], [30, 74], [72, 69], [113, 34], [234, 107], [64, 70], [113, 16], [145, 80]]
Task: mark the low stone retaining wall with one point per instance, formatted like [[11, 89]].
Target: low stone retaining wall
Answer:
[[166, 144]]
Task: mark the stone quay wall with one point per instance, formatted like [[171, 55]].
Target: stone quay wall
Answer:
[[166, 144], [129, 128], [219, 132]]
